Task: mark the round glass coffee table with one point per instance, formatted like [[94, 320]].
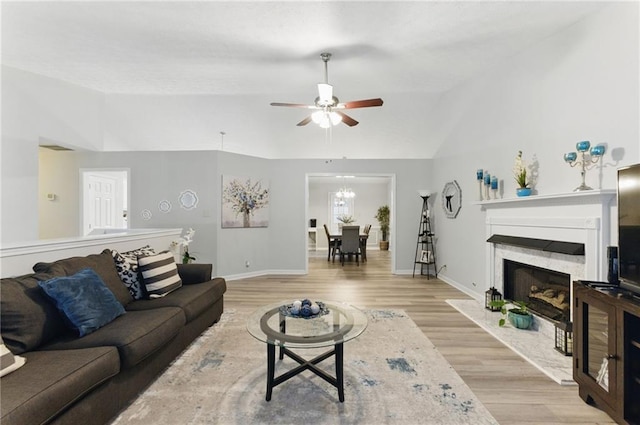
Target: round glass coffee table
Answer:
[[335, 324]]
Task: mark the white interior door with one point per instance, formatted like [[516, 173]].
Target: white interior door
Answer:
[[103, 203]]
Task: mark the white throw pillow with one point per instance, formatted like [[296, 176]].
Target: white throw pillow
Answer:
[[8, 361]]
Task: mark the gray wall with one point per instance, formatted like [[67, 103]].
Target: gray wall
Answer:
[[279, 248], [410, 176], [580, 84], [35, 110]]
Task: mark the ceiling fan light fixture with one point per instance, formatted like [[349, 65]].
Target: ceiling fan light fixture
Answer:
[[319, 117], [326, 119]]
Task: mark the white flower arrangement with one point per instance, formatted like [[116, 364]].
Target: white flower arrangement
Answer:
[[181, 246], [520, 172]]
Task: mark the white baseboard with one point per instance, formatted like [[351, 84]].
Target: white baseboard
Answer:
[[264, 273], [449, 281], [462, 288]]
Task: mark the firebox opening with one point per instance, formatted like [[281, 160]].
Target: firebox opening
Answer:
[[546, 292]]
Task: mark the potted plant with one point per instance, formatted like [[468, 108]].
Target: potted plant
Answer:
[[520, 176], [516, 311], [383, 219]]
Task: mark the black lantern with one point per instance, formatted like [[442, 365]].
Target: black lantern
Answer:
[[564, 338], [491, 295]]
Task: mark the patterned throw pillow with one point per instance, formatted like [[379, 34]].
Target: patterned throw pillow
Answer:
[[160, 274], [127, 266]]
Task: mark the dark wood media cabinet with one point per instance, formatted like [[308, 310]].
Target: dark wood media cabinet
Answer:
[[606, 356]]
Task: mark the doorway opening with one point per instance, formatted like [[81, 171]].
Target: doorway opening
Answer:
[[104, 201], [325, 207]]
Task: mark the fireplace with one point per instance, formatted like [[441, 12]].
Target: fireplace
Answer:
[[546, 292], [581, 218]]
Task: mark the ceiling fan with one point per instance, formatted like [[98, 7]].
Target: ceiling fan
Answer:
[[328, 107]]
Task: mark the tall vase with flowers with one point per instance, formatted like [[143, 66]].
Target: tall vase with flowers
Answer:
[[523, 180], [180, 247]]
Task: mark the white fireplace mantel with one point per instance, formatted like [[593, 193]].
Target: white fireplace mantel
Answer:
[[581, 217], [601, 197]]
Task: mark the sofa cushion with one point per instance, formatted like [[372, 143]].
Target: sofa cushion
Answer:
[[102, 264], [27, 318], [159, 274], [195, 272], [84, 300], [193, 299], [127, 268], [136, 334], [52, 380]]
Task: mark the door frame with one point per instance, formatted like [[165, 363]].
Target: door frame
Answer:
[[117, 173], [392, 207]]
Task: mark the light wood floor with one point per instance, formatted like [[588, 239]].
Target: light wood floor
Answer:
[[514, 391]]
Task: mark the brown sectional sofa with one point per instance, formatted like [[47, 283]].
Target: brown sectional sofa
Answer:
[[71, 380]]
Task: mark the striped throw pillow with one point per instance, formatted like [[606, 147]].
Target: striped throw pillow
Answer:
[[159, 274]]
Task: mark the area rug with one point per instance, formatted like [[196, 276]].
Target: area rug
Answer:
[[393, 375]]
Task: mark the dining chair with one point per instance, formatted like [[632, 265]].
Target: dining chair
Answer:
[[363, 242], [350, 243], [332, 245]]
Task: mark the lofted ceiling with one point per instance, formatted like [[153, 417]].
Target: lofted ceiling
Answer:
[[252, 53]]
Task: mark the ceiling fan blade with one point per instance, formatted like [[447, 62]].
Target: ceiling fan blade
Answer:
[[347, 119], [294, 105], [304, 121], [367, 103]]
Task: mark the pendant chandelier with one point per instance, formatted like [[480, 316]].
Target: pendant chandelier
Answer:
[[345, 192]]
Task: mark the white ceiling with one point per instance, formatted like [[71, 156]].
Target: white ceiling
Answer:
[[271, 49]]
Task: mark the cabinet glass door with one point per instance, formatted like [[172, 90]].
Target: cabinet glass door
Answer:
[[597, 330], [598, 326]]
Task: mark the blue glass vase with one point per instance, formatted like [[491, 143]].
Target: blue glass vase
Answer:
[[523, 191]]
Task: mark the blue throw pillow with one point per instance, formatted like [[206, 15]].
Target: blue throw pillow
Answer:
[[84, 300]]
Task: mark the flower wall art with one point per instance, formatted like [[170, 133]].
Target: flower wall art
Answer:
[[245, 202]]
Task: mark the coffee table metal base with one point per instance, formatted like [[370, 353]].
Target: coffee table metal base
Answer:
[[272, 380]]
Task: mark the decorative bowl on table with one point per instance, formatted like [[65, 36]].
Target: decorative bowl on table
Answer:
[[304, 309]]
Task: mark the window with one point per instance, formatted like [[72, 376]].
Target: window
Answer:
[[339, 207]]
